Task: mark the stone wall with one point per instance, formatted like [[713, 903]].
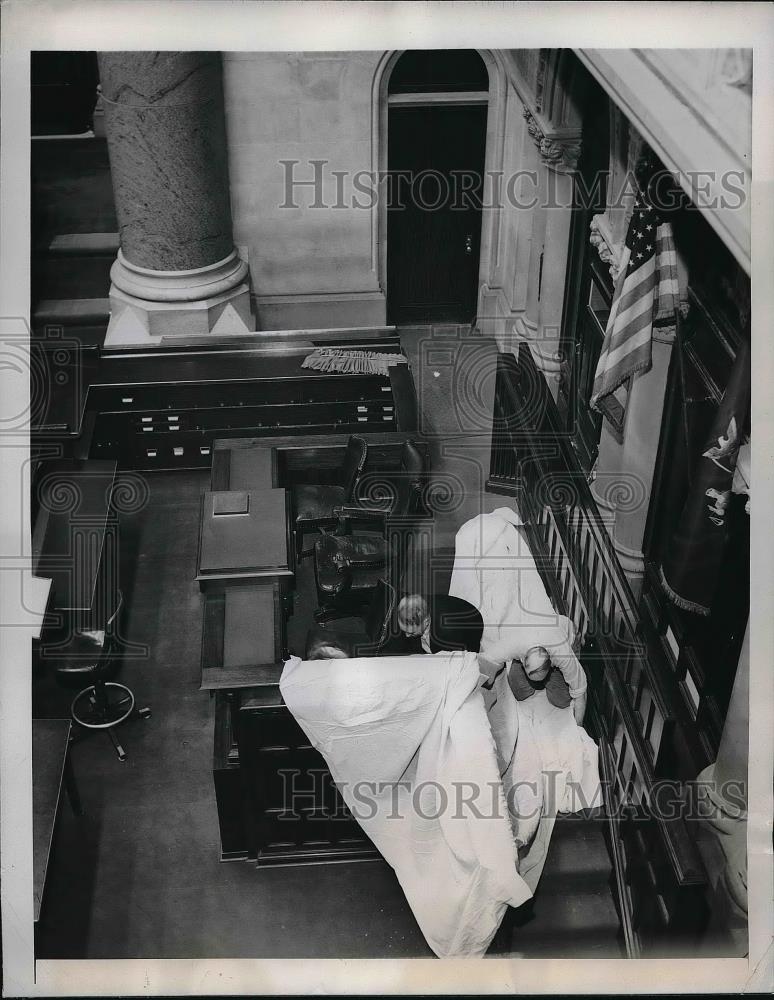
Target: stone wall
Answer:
[[309, 267]]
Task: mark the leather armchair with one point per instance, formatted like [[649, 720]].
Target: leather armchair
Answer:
[[364, 636], [314, 503], [348, 566]]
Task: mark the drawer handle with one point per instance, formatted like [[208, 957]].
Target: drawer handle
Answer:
[[173, 420], [152, 452], [204, 451], [177, 452], [147, 428], [362, 409], [146, 420], [127, 399], [362, 420]]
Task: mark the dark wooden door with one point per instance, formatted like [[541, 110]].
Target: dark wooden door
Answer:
[[436, 160]]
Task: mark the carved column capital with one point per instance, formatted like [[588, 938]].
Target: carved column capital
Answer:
[[559, 151], [609, 250]]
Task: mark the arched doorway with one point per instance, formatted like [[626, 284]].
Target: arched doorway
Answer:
[[436, 146]]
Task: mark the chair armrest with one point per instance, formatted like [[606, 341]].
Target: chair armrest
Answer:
[[360, 513], [363, 562]]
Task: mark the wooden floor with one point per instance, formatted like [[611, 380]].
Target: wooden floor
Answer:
[[138, 876]]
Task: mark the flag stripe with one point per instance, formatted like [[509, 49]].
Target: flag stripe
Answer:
[[615, 369], [633, 290], [638, 312], [646, 291], [632, 344]]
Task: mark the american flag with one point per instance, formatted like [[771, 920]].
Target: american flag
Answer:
[[646, 295]]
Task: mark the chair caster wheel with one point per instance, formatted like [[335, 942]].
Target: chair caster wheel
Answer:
[[121, 754], [145, 713]]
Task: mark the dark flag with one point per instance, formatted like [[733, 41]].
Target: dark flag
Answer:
[[691, 566]]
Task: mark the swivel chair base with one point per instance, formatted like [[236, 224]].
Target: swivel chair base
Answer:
[[93, 710]]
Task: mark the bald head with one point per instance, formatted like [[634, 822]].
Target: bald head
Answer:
[[413, 614], [537, 663]]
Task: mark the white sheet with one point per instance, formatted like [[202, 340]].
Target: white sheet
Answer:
[[495, 571], [555, 766], [567, 760], [420, 720]]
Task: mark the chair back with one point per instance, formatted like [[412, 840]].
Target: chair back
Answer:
[[412, 460], [380, 613], [408, 491], [354, 460]]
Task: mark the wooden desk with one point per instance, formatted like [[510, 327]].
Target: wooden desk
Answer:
[[75, 544], [244, 468], [50, 767], [261, 755], [243, 638], [73, 527], [243, 547], [258, 743], [285, 460], [163, 408]]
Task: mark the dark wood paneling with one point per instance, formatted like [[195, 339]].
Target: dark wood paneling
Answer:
[[634, 710]]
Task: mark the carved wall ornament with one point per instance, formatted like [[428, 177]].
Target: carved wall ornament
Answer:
[[609, 251], [560, 152]]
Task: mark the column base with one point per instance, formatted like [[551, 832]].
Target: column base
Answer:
[[544, 353], [140, 321], [633, 564], [146, 304]]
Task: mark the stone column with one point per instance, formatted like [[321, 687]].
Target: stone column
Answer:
[[556, 246], [540, 323], [177, 270], [526, 324]]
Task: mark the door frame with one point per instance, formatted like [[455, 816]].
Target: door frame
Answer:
[[493, 158]]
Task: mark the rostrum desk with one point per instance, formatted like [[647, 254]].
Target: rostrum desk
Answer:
[[164, 408], [261, 756]]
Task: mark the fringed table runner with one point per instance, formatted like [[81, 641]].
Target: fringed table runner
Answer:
[[333, 359]]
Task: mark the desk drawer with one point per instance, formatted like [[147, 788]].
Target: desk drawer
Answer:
[[190, 447], [309, 832], [272, 416], [247, 391], [272, 728]]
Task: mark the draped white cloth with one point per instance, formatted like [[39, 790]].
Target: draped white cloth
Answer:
[[548, 764], [556, 768], [480, 777], [445, 829], [495, 571]]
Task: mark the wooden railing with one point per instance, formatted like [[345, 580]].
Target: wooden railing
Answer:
[[659, 878]]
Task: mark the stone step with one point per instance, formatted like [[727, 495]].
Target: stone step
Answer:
[[71, 277], [572, 913], [70, 312], [74, 265], [83, 245]]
